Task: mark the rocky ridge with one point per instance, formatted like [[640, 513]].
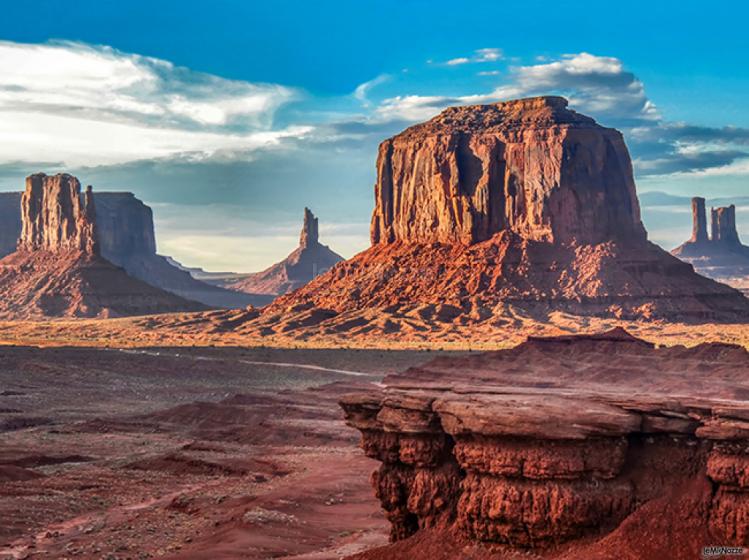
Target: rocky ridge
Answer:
[[563, 440], [58, 269]]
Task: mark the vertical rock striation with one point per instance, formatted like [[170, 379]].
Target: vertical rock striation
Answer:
[[58, 269], [54, 217], [530, 166]]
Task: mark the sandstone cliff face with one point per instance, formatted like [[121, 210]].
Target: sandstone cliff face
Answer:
[[561, 439], [58, 270], [305, 263], [125, 226], [531, 166], [55, 218]]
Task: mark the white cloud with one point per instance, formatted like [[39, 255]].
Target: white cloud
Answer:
[[362, 90], [87, 105], [487, 55], [594, 84], [458, 61], [489, 73], [478, 56]]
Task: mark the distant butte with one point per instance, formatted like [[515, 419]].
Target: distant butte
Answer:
[[720, 255], [303, 265], [58, 270]]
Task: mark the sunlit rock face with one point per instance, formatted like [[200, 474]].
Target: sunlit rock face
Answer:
[[54, 216], [530, 166]]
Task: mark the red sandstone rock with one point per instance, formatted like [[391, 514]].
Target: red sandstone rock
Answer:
[[558, 440], [518, 205], [58, 270], [530, 166], [54, 218]]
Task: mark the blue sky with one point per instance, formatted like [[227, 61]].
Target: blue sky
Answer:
[[229, 117]]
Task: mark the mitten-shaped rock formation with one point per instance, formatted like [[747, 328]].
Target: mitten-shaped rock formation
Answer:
[[722, 255], [522, 206], [564, 439], [125, 233], [531, 166], [58, 270], [55, 218], [305, 263]]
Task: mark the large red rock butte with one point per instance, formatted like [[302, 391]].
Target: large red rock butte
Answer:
[[309, 260], [564, 442], [521, 205], [58, 269], [532, 167], [720, 255]]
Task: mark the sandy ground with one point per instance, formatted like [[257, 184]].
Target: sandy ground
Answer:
[[180, 330], [185, 453]]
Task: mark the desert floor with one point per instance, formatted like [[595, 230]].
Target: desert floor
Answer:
[[185, 453]]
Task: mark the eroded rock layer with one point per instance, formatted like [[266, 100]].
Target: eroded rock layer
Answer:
[[125, 234], [530, 166], [563, 439]]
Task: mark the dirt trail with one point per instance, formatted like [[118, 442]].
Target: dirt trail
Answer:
[[254, 362]]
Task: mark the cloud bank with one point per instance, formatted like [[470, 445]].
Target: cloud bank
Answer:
[[86, 105]]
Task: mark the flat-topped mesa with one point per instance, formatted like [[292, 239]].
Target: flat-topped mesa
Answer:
[[724, 225], [309, 235], [55, 218], [530, 166]]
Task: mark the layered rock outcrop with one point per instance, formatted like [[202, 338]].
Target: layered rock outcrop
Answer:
[[58, 269], [305, 263], [564, 439], [532, 167], [721, 255]]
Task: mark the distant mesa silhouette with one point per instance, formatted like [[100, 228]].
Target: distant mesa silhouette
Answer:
[[719, 255]]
